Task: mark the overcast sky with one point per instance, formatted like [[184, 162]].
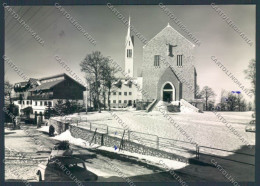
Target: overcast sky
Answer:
[[63, 39]]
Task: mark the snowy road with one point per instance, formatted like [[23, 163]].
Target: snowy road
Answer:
[[97, 161]]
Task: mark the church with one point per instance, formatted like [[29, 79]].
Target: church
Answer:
[[168, 74]]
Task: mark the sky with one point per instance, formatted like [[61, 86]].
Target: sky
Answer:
[[63, 39]]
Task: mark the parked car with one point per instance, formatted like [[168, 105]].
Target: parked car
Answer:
[[61, 149], [64, 169], [251, 126]]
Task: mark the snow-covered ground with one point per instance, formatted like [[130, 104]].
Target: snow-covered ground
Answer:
[[66, 136], [204, 128]]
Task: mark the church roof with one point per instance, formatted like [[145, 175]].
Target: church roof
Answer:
[[46, 86], [167, 27]]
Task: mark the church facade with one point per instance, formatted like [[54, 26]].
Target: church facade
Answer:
[[168, 71], [167, 63]]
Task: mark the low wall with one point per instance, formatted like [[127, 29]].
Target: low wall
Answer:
[[110, 141], [142, 105], [58, 125]]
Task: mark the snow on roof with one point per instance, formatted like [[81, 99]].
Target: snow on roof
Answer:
[[46, 86]]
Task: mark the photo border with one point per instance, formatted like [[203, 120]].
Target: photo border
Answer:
[[132, 2]]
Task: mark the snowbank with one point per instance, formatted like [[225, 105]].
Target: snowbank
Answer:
[[172, 164], [149, 159], [66, 136], [45, 129]]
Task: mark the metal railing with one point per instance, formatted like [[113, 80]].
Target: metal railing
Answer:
[[186, 148]]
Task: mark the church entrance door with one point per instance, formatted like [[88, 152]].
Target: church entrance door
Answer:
[[168, 93]]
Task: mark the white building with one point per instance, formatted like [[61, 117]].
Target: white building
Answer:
[[125, 92]]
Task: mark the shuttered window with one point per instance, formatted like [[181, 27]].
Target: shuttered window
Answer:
[[129, 53], [179, 60], [157, 61]]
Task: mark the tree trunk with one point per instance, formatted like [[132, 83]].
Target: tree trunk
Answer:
[[108, 99], [206, 100], [104, 99], [206, 103]]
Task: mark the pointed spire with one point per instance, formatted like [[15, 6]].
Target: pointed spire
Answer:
[[168, 24], [129, 23]]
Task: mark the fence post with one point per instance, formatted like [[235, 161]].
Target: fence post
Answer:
[[107, 129], [102, 139], [93, 136], [129, 132], [157, 143], [198, 152], [122, 141]]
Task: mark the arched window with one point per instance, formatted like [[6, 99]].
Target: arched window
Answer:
[[167, 86], [168, 93]]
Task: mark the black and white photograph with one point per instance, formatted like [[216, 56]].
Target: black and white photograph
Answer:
[[129, 93]]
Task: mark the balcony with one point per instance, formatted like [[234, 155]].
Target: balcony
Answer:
[[40, 97]]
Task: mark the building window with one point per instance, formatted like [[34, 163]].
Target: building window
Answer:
[[23, 102], [31, 102], [27, 102], [125, 93], [114, 101], [179, 60], [130, 93], [156, 60], [120, 93], [40, 103], [19, 102], [129, 53], [170, 51], [119, 101], [130, 86], [125, 101], [114, 93], [109, 101], [50, 103], [35, 103], [45, 103]]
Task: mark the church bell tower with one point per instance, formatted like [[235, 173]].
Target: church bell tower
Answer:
[[129, 52]]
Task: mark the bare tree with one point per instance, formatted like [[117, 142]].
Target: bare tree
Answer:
[[8, 91], [198, 92], [207, 93], [8, 98], [243, 104], [249, 106], [223, 100], [240, 102], [251, 73], [92, 65], [231, 102], [109, 78], [100, 73]]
